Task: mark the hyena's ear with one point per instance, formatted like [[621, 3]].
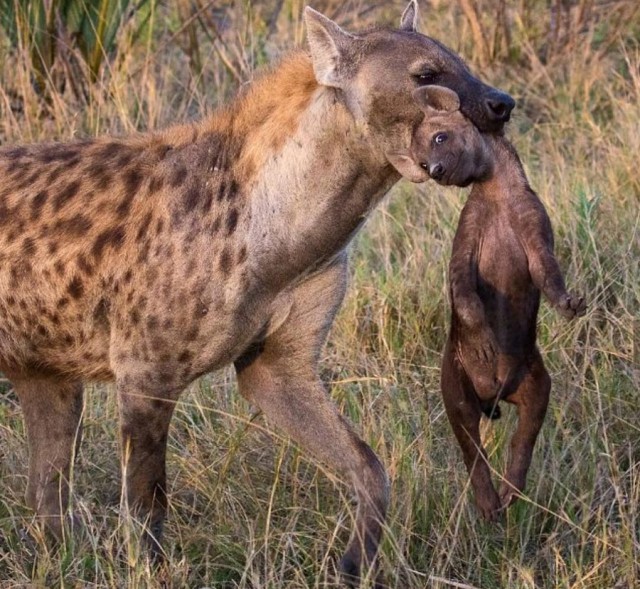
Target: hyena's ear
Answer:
[[409, 20], [439, 98], [330, 47]]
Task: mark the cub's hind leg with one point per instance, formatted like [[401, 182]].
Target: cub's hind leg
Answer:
[[531, 399], [52, 410], [464, 412]]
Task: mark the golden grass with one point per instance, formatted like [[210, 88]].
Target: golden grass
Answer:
[[247, 508]]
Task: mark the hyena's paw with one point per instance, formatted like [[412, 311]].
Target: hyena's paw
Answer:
[[571, 305]]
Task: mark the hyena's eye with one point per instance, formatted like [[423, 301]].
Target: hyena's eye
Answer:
[[425, 78], [440, 138]]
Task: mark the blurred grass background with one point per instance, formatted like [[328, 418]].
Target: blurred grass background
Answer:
[[247, 509]]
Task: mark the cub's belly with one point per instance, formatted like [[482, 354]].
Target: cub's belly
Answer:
[[508, 294]]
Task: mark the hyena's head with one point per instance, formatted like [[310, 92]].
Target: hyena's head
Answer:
[[376, 71], [446, 146]]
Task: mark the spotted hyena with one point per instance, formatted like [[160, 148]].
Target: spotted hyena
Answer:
[[152, 259], [502, 259]]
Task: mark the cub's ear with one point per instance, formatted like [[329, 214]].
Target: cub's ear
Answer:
[[436, 98], [330, 46], [409, 20], [407, 167]]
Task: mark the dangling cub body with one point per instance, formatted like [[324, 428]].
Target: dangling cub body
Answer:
[[502, 259]]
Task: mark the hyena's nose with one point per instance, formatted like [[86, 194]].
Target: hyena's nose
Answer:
[[436, 171], [499, 106]]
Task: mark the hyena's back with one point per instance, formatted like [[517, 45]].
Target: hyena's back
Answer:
[[91, 233]]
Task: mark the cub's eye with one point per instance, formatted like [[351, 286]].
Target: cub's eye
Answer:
[[440, 138], [425, 78]]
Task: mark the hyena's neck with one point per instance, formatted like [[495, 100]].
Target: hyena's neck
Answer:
[[312, 193], [507, 180]]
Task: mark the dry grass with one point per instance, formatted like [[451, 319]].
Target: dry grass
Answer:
[[248, 510]]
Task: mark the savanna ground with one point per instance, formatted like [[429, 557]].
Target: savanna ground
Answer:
[[247, 508]]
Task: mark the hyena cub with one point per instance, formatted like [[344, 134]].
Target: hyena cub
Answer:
[[502, 259]]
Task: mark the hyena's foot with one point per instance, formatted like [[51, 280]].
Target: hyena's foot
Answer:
[[351, 571], [571, 305]]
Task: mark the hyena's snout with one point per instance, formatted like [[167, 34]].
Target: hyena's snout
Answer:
[[498, 106]]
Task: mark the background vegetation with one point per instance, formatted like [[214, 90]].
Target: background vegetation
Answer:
[[248, 510]]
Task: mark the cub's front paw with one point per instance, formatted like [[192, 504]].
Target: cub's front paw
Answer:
[[485, 347], [571, 305]]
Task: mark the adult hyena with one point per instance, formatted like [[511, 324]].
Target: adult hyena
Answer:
[[501, 260], [151, 260]]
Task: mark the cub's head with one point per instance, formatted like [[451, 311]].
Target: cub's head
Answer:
[[445, 146]]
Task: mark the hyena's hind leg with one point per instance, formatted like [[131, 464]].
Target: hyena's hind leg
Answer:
[[52, 411]]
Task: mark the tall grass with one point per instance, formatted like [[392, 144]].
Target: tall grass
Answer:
[[247, 508]]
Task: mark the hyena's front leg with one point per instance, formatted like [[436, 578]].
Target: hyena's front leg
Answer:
[[144, 424], [280, 376], [52, 411]]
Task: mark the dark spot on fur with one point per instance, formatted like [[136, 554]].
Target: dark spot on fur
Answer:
[[132, 181], [178, 176], [99, 173], [208, 200], [59, 267], [232, 221], [63, 302], [76, 226], [192, 333], [67, 194], [15, 152], [221, 190], [144, 227], [233, 190], [155, 184], [123, 160], [84, 265], [39, 200], [72, 163], [134, 315], [159, 226], [185, 357], [113, 237], [242, 255], [191, 198], [28, 246], [76, 288], [225, 261], [124, 207], [108, 150], [53, 247], [143, 252], [54, 175]]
